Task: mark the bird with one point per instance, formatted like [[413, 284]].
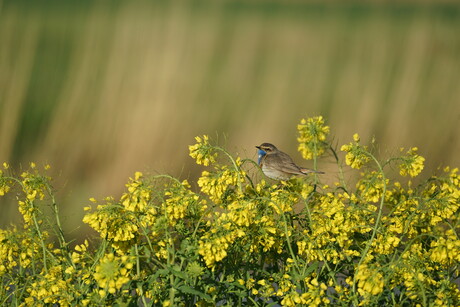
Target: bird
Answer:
[[278, 165]]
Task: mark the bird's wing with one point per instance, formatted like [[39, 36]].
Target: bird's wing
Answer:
[[284, 163], [309, 170]]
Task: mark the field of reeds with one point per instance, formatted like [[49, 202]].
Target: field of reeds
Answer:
[[100, 90]]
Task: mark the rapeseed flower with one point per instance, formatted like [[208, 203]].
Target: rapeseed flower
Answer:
[[312, 137], [385, 244], [412, 164], [215, 249], [371, 187], [5, 184], [137, 197], [357, 154], [202, 151], [220, 184], [112, 273], [50, 288], [10, 251], [446, 251], [370, 281], [112, 222]]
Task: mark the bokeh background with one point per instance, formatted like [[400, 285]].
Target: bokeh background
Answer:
[[101, 89]]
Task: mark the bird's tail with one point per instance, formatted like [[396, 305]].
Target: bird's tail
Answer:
[[308, 170]]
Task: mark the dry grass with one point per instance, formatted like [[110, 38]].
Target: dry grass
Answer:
[[100, 92]]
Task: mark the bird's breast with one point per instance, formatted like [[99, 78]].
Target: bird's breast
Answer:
[[273, 173]]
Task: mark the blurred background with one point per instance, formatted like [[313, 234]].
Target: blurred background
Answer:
[[101, 89]]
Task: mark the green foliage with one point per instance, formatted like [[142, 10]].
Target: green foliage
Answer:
[[241, 240]]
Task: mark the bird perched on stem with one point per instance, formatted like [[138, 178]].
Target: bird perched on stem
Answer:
[[278, 165]]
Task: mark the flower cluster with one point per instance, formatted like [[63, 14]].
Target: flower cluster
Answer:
[[180, 201], [50, 287], [34, 186], [112, 273], [12, 255], [5, 183], [371, 187], [315, 295], [202, 151], [112, 221], [221, 184], [334, 226], [446, 250], [370, 281], [412, 164], [357, 155], [312, 137]]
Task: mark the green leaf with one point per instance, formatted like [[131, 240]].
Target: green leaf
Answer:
[[179, 274], [311, 268], [190, 290]]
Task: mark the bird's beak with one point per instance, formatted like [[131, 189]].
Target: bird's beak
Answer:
[[258, 147]]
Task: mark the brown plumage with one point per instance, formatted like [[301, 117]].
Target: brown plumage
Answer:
[[278, 165]]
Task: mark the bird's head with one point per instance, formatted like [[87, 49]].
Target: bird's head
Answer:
[[267, 148], [264, 149]]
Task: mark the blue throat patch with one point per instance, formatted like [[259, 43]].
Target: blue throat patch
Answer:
[[261, 154]]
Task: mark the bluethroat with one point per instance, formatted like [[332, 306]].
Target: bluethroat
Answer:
[[278, 165]]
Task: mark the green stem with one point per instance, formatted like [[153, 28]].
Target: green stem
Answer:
[[170, 259], [315, 158], [286, 232], [377, 222], [138, 267], [321, 254], [99, 254], [167, 177], [138, 273], [341, 174], [237, 169], [60, 232], [37, 227], [42, 241], [149, 242]]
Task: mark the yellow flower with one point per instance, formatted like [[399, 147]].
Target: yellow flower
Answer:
[[445, 251], [70, 270], [202, 151], [180, 201], [112, 272], [357, 154], [113, 222], [50, 288], [217, 184], [370, 280], [215, 249], [385, 244], [356, 138], [371, 187], [4, 189], [312, 137], [412, 164]]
